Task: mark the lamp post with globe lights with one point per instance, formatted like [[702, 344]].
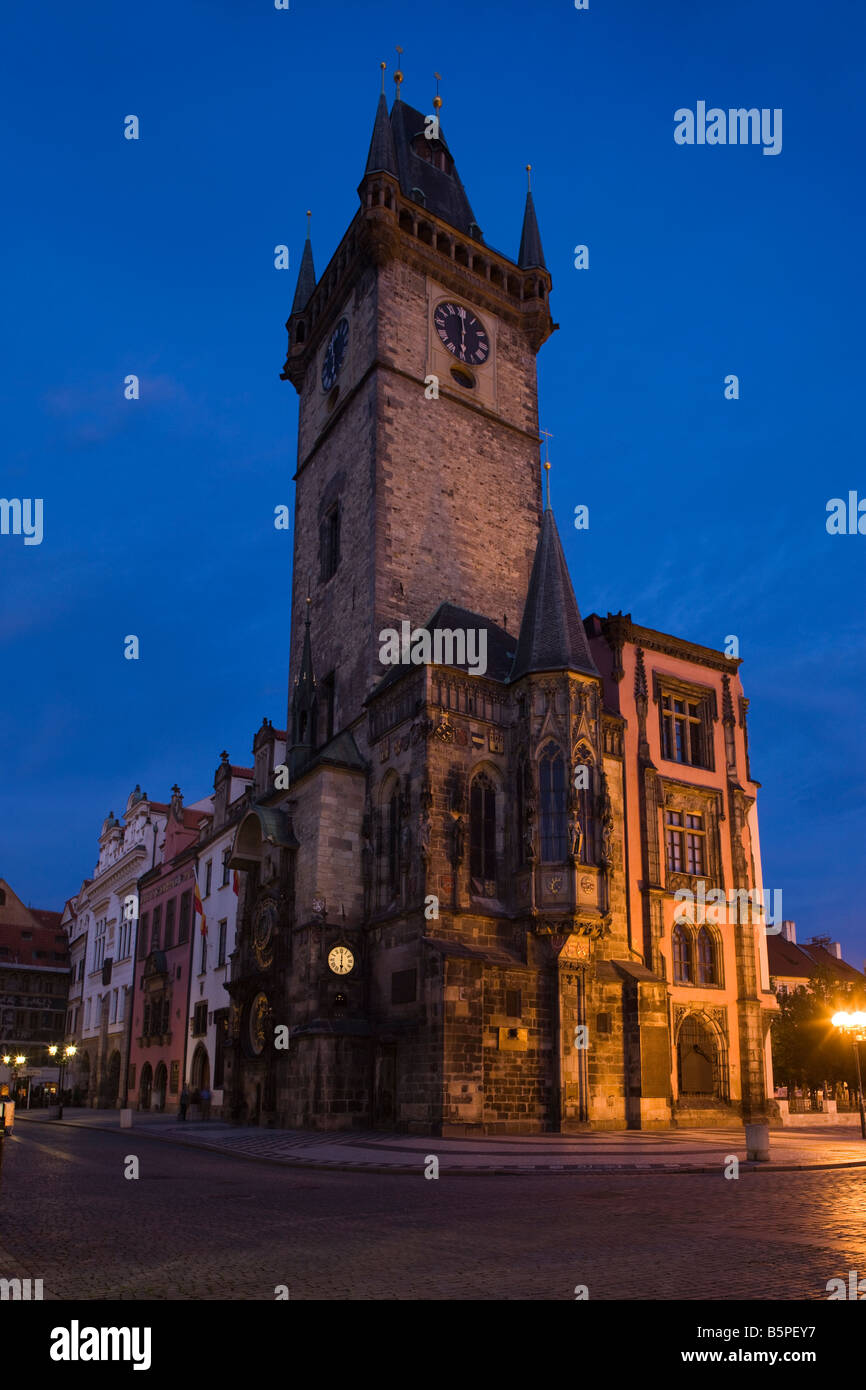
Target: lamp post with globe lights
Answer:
[[64, 1054], [853, 1025]]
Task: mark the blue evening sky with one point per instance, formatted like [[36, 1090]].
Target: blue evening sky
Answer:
[[707, 516]]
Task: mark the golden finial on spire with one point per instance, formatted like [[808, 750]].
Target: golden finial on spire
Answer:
[[383, 67], [398, 76], [529, 178], [547, 436], [437, 100], [309, 215]]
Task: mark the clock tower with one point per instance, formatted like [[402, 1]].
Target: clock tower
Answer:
[[414, 358]]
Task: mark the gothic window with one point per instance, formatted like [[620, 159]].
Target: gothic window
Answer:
[[685, 836], [708, 966], [482, 832], [686, 729], [684, 973], [329, 543], [551, 779], [143, 938], [157, 928]]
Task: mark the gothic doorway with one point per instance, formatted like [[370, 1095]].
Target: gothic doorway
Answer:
[[697, 1061], [385, 1086], [111, 1085], [160, 1085], [200, 1069], [145, 1087]]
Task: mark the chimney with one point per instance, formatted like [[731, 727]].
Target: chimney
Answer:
[[836, 948], [789, 932]]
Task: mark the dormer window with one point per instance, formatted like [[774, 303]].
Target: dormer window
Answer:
[[433, 152]]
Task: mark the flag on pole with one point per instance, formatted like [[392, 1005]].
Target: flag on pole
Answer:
[[200, 909], [236, 884]]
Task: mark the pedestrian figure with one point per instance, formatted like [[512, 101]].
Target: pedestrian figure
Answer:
[[205, 1103], [184, 1102]]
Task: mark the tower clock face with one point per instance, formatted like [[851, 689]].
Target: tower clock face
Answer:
[[462, 333], [335, 354], [341, 960]]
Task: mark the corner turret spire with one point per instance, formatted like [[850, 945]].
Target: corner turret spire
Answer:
[[382, 157], [306, 275], [530, 254], [552, 635]]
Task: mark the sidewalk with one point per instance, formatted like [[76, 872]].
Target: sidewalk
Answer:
[[611, 1151]]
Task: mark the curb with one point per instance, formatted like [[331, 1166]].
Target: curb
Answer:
[[479, 1171]]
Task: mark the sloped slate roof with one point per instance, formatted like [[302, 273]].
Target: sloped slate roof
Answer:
[[444, 194], [552, 635]]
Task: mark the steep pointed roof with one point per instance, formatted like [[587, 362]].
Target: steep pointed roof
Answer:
[[306, 279], [530, 253], [442, 192], [382, 157], [552, 635], [305, 682]]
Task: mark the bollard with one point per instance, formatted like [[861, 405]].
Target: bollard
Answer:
[[758, 1143]]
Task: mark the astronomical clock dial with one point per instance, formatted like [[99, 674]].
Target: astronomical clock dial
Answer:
[[462, 333], [264, 926], [335, 354], [341, 960]]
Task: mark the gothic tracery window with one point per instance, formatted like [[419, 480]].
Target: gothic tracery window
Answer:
[[551, 782], [708, 972], [482, 830], [683, 963]]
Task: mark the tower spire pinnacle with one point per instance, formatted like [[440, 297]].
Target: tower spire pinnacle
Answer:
[[398, 76], [306, 274], [547, 437], [530, 253]]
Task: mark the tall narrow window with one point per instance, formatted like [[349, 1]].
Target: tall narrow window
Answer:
[[482, 832], [707, 969], [551, 778], [157, 927], [207, 875], [684, 840], [183, 923], [221, 953], [683, 965], [170, 909], [330, 542], [394, 841]]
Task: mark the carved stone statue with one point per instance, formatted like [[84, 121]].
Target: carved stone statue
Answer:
[[458, 835], [529, 834], [424, 836], [607, 832], [575, 838]]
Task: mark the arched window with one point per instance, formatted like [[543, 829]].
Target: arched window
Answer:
[[482, 831], [684, 972], [551, 779], [708, 972]]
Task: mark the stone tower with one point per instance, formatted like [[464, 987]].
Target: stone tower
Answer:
[[454, 912]]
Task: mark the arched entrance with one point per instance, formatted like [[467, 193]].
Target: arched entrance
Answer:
[[111, 1082], [145, 1087], [200, 1075], [160, 1086], [700, 1064]]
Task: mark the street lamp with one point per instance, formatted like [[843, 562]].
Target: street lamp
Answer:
[[854, 1025], [68, 1051]]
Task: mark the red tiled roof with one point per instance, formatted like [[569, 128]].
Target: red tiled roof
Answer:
[[46, 918], [801, 962], [840, 969], [241, 771]]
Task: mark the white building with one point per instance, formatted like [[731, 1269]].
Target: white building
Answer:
[[211, 963], [103, 924]]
